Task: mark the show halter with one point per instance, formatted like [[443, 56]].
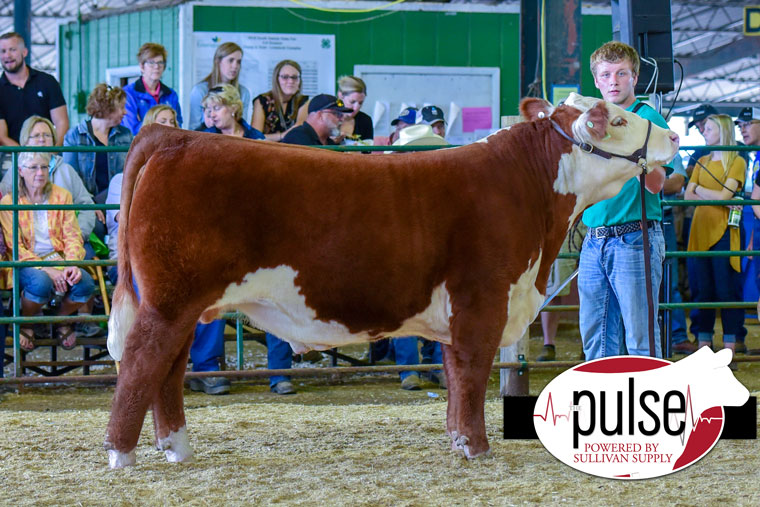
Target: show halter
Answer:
[[638, 157]]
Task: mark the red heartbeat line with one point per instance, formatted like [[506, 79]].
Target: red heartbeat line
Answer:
[[549, 403], [689, 414]]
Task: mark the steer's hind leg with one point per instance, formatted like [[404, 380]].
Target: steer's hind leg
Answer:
[[152, 347], [169, 414], [468, 365]]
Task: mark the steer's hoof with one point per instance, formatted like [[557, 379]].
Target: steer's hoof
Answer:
[[176, 446], [118, 459], [461, 443]]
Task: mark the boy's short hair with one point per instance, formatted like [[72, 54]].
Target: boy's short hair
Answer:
[[614, 52]]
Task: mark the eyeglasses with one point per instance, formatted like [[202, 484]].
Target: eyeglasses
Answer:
[[155, 63], [41, 136], [35, 168], [285, 77]]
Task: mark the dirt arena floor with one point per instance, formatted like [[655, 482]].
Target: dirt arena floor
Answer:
[[357, 440]]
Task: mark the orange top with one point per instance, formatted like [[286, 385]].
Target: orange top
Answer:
[[710, 222]]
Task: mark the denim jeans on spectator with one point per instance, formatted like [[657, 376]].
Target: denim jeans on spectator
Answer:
[[431, 353], [719, 282], [36, 286], [406, 352], [612, 290], [279, 357], [677, 317], [208, 346]]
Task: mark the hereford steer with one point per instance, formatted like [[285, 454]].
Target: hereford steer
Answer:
[[325, 249]]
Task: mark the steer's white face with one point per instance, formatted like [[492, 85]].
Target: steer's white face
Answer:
[[612, 129], [625, 132]]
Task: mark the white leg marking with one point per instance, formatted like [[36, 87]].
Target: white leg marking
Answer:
[[176, 446], [122, 317], [118, 459]]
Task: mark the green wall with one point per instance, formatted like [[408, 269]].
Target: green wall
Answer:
[[409, 38], [112, 42], [389, 38]]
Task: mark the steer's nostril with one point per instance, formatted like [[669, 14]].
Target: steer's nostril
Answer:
[[674, 137]]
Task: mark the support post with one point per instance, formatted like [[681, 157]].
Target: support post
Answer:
[[22, 23], [515, 382]]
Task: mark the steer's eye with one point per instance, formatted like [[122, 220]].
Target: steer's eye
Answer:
[[618, 121]]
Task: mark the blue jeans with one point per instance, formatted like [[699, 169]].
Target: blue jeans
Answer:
[[431, 353], [719, 282], [677, 317], [208, 346], [612, 288], [406, 353], [36, 286], [279, 357]]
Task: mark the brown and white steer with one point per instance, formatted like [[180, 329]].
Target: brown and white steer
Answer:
[[325, 249]]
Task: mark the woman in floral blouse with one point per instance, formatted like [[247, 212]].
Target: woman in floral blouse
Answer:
[[283, 107]]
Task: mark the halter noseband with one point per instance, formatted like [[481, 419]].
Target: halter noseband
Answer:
[[638, 157]]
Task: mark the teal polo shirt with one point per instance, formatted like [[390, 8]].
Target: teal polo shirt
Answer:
[[626, 205]]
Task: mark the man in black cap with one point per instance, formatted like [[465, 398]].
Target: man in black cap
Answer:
[[433, 116], [323, 122]]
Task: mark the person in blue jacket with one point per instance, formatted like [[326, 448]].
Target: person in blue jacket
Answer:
[[148, 90]]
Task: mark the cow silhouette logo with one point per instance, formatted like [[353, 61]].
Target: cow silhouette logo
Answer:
[[633, 417]]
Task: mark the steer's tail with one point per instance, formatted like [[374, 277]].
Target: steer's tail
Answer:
[[124, 308]]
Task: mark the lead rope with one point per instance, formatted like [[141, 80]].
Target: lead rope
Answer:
[[647, 263]]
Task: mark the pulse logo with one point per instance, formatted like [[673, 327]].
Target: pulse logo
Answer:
[[633, 417]]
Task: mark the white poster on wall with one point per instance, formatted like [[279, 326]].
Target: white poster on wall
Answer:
[[262, 51]]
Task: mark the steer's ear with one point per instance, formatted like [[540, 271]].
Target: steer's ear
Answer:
[[533, 109], [594, 121]]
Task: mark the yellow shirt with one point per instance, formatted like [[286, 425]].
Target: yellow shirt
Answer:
[[710, 222]]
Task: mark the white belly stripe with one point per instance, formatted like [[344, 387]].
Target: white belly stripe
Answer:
[[272, 301]]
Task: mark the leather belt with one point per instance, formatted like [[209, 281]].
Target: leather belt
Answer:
[[618, 230]]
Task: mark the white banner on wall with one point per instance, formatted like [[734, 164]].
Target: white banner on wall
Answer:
[[262, 51]]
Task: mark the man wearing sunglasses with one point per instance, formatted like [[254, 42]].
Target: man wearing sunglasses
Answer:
[[323, 122]]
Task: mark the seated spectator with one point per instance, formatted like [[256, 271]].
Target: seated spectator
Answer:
[[283, 107], [161, 114], [321, 125], [225, 70], [433, 116], [39, 131], [717, 176], [356, 125], [46, 235], [105, 105], [148, 91], [226, 109], [409, 116]]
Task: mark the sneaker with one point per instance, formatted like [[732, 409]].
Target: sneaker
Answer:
[[89, 329], [283, 387], [411, 383], [548, 354], [741, 348], [438, 378], [210, 385], [685, 347]]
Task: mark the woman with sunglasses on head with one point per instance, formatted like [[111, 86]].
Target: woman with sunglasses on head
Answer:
[[226, 70], [225, 111], [717, 176], [356, 125], [148, 90], [283, 107]]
